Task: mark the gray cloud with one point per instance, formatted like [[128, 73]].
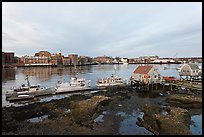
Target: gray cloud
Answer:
[[7, 37], [94, 29]]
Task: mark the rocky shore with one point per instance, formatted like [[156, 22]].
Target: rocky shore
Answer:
[[100, 113], [174, 118]]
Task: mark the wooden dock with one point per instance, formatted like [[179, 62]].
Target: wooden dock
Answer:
[[194, 86], [184, 84]]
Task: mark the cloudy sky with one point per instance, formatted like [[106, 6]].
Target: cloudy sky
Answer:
[[97, 29]]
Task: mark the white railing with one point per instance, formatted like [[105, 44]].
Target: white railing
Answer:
[[39, 64]]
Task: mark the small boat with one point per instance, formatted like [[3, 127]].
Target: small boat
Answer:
[[166, 68], [179, 69], [75, 84], [111, 81]]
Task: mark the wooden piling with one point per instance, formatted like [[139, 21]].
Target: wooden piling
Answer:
[[152, 86], [156, 86]]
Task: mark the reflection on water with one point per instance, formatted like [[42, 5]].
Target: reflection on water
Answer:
[[37, 119], [196, 125], [47, 72], [129, 127], [99, 118], [8, 74]]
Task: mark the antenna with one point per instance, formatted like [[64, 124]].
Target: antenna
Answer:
[[75, 70], [175, 55], [28, 82], [115, 69]]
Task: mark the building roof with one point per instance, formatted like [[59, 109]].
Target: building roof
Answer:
[[142, 69], [193, 66]]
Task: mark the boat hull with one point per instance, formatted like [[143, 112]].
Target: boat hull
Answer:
[[28, 94], [71, 89], [109, 84]]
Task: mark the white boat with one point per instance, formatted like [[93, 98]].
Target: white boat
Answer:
[[125, 63], [179, 69], [75, 84], [111, 81], [35, 90]]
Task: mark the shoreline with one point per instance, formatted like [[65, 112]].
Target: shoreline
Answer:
[[62, 66]]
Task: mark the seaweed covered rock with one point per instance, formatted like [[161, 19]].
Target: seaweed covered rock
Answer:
[[82, 111], [185, 101], [174, 122]]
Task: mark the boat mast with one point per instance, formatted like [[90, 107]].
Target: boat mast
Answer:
[[115, 69], [75, 72], [28, 82]]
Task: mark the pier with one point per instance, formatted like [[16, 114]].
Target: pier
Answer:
[[184, 84], [195, 86]]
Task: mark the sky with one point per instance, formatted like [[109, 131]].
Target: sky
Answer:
[[124, 29]]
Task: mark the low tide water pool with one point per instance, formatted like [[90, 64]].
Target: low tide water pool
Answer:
[[196, 124]]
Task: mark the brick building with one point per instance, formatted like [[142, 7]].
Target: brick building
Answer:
[[73, 59], [8, 59]]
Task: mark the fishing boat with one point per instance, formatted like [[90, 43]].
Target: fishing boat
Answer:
[[75, 84], [111, 81], [32, 90]]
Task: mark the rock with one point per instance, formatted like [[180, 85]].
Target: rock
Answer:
[[139, 119], [185, 101], [175, 123], [82, 111]]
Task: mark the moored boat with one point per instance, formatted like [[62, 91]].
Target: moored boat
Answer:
[[111, 81], [25, 90], [75, 84]]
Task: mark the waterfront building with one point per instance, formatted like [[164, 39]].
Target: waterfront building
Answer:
[[124, 60], [146, 74], [134, 60], [163, 61], [34, 61], [190, 71], [43, 53], [54, 60], [66, 61], [152, 58], [103, 59], [73, 59], [83, 60], [57, 59], [3, 59], [8, 59]]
